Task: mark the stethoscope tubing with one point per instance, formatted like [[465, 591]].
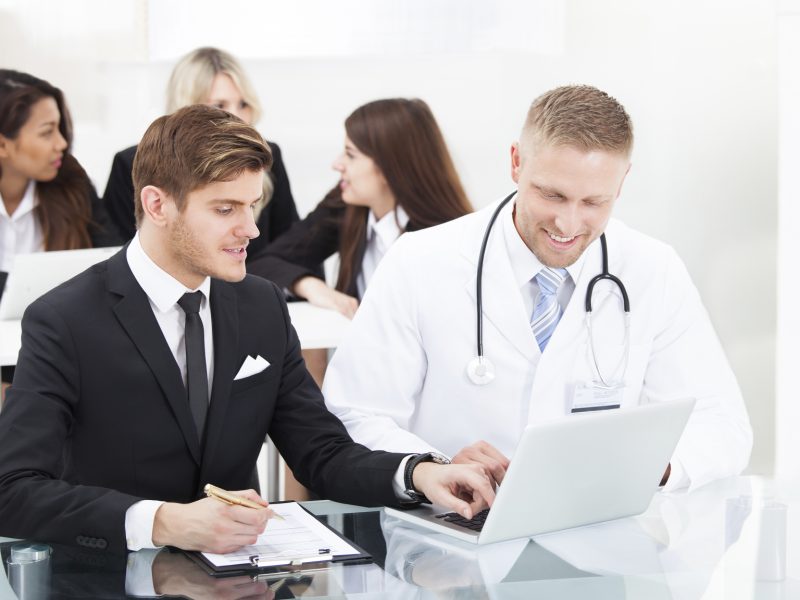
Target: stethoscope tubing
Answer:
[[479, 281], [605, 274]]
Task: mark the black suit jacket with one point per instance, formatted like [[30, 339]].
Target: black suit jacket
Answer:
[[276, 218], [98, 416], [309, 242]]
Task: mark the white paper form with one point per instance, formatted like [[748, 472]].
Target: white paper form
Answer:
[[300, 537]]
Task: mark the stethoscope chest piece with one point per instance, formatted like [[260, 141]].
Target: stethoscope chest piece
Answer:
[[480, 370]]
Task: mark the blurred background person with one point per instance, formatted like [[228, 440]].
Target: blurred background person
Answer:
[[396, 175], [214, 77], [47, 201]]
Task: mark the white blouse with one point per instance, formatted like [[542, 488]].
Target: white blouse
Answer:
[[21, 232], [381, 234]]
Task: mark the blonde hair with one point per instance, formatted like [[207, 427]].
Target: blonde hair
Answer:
[[581, 116], [193, 76], [191, 81]]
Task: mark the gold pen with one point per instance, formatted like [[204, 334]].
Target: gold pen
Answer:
[[213, 491]]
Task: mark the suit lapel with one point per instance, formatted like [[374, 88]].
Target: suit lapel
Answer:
[[502, 301], [225, 323], [136, 317]]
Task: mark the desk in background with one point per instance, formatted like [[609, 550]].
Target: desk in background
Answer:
[[705, 545], [316, 327], [10, 341]]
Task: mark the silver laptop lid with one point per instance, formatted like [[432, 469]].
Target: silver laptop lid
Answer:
[[586, 468], [580, 469], [35, 274]]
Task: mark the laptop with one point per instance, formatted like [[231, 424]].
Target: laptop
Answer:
[[39, 272], [581, 469]]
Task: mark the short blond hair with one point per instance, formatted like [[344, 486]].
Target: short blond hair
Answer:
[[194, 147], [193, 76], [580, 116]]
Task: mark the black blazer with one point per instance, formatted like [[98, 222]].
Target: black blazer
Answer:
[[309, 242], [277, 216], [98, 416]]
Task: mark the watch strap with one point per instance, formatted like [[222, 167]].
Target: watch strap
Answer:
[[408, 480]]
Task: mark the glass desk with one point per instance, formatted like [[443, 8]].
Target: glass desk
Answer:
[[723, 541]]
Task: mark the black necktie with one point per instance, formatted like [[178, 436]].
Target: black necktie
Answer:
[[196, 373]]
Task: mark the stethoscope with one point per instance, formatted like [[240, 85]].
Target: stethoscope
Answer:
[[481, 370]]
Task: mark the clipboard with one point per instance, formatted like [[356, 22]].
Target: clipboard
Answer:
[[300, 563]]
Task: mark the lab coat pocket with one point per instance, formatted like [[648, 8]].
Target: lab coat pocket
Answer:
[[607, 365]]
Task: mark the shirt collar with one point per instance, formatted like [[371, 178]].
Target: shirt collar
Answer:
[[162, 288], [387, 228], [524, 262], [29, 202]]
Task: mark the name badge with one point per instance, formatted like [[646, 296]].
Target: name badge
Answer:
[[591, 396]]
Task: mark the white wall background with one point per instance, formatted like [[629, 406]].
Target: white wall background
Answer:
[[787, 460], [699, 77]]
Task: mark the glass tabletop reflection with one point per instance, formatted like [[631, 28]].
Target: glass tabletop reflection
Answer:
[[727, 540]]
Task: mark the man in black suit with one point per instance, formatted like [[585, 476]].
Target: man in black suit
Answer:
[[128, 399]]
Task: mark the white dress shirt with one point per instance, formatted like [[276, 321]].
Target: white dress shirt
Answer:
[[526, 266], [21, 232], [381, 234], [163, 291]]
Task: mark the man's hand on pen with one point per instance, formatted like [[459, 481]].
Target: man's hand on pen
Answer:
[[209, 525], [494, 463], [465, 489]]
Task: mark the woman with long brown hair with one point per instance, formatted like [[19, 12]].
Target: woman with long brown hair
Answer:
[[46, 199], [396, 176]]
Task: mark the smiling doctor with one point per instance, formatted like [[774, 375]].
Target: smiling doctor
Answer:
[[476, 328]]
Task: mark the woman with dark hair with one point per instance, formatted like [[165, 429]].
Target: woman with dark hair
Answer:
[[214, 77], [396, 176], [46, 199]]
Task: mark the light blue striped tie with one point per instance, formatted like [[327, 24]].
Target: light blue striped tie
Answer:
[[547, 311]]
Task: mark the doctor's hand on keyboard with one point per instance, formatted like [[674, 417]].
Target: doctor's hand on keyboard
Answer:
[[490, 459]]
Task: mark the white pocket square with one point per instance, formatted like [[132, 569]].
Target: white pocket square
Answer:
[[251, 366]]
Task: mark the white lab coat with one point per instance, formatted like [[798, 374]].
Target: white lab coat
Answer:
[[398, 380]]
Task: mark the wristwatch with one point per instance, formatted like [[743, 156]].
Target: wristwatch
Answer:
[[413, 493]]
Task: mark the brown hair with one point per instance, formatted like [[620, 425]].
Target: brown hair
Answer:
[[64, 209], [581, 116], [193, 147], [403, 139]]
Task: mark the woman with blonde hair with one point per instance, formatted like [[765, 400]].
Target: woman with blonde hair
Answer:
[[214, 77]]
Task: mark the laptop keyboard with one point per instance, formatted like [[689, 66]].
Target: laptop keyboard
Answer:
[[475, 523]]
